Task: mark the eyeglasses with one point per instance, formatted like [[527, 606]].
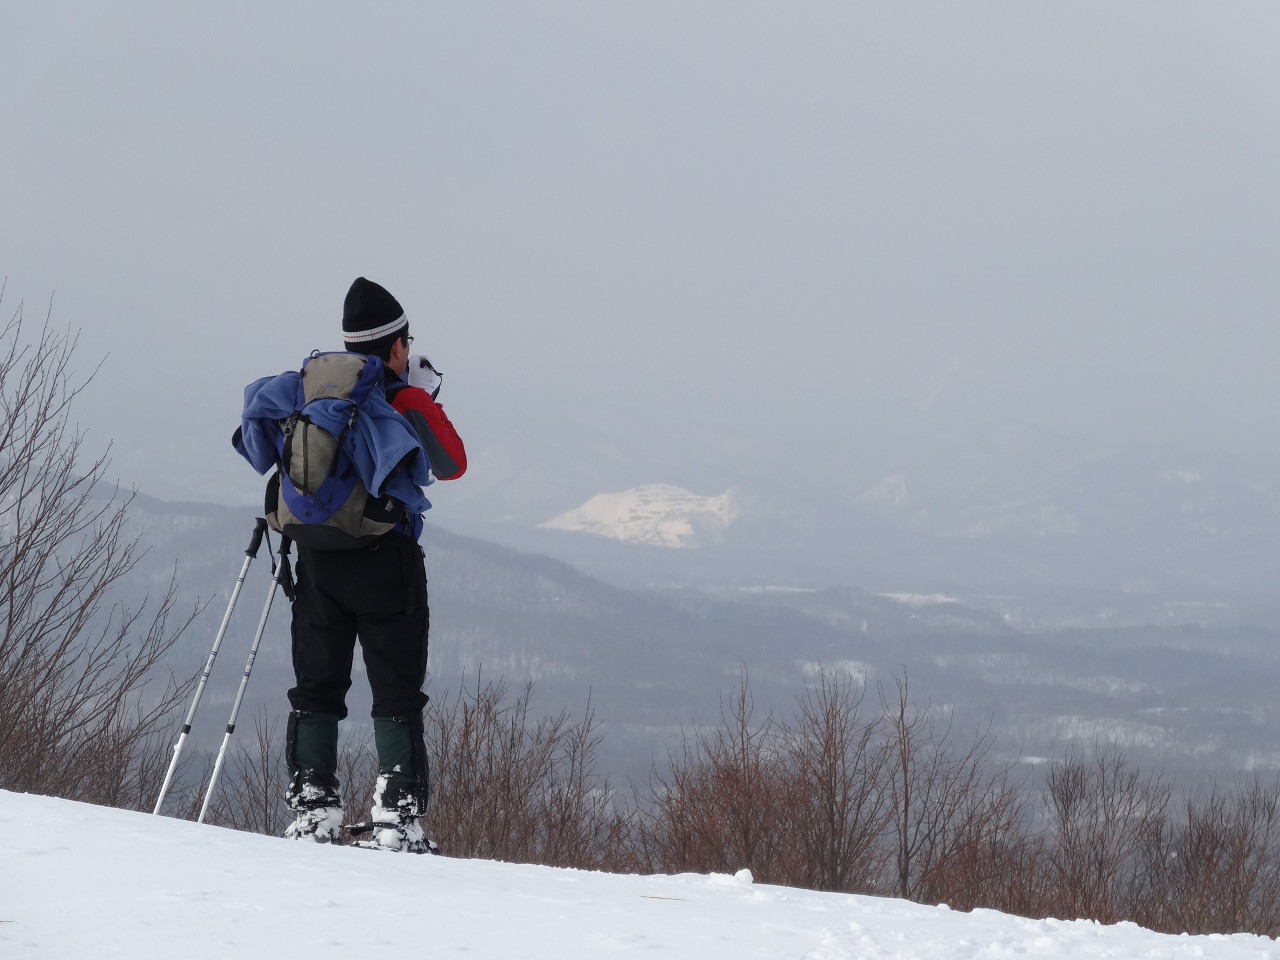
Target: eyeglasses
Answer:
[[408, 341]]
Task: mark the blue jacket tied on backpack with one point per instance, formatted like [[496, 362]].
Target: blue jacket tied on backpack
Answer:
[[382, 445]]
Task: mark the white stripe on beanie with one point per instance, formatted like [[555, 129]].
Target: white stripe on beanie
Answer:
[[364, 336]]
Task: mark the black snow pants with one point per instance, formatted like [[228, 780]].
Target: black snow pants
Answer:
[[378, 593]]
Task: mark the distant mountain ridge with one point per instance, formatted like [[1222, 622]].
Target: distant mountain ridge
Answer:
[[1015, 509], [1192, 699]]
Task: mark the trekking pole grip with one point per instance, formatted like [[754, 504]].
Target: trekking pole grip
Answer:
[[259, 529]]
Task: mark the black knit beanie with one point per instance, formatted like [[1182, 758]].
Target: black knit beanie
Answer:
[[370, 313]]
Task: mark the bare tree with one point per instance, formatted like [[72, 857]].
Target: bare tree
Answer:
[[947, 804], [838, 765], [581, 823], [512, 788], [1104, 816], [1218, 871], [989, 857], [724, 803], [79, 701]]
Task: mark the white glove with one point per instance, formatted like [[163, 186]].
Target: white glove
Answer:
[[422, 374]]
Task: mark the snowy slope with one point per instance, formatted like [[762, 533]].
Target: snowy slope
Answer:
[[78, 881]]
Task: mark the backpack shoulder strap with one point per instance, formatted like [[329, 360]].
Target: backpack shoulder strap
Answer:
[[391, 389]]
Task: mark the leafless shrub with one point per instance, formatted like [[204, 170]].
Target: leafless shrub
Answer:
[[837, 767], [724, 803], [836, 796], [507, 787], [991, 859], [1104, 818], [250, 792], [580, 822], [78, 705], [1218, 870], [949, 808]]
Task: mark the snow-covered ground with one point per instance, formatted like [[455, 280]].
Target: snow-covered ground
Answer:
[[85, 882]]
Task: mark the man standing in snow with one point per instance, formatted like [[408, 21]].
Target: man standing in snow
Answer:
[[379, 593]]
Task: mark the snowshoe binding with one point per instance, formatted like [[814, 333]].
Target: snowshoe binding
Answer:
[[398, 802], [392, 836], [319, 825], [317, 806]]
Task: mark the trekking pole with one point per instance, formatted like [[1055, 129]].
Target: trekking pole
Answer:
[[250, 555], [283, 579]]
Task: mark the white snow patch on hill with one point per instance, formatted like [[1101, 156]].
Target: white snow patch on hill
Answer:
[[88, 882], [891, 490], [920, 599], [657, 514]]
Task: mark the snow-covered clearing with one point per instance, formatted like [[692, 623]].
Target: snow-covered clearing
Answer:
[[82, 882]]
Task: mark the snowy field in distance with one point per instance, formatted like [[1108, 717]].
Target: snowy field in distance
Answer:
[[78, 882]]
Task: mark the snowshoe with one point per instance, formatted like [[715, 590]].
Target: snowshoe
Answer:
[[314, 799], [392, 836], [319, 825]]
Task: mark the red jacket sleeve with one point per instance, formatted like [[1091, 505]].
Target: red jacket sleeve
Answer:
[[443, 445]]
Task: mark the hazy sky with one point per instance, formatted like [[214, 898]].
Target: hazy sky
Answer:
[[1061, 211]]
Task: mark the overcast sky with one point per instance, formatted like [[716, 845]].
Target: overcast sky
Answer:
[[1067, 212]]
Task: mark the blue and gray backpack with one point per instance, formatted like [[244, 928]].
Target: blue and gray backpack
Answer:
[[316, 496]]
